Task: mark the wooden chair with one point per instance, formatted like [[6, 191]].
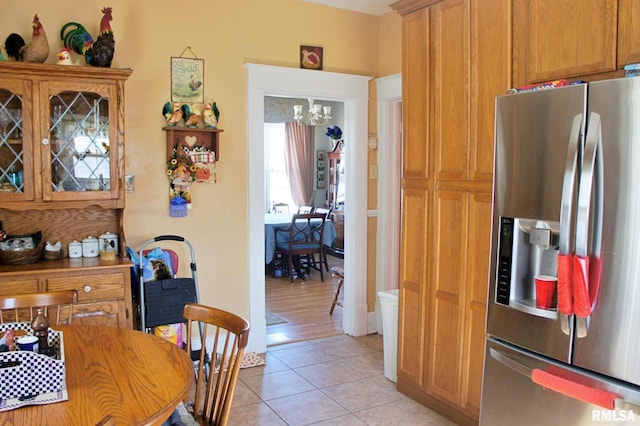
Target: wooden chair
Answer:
[[60, 301], [338, 272], [230, 334], [327, 249], [305, 209], [304, 242]]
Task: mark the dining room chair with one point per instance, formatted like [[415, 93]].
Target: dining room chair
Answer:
[[107, 421], [215, 387], [14, 308], [327, 249], [303, 243]]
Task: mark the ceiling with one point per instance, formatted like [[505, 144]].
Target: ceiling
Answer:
[[372, 7]]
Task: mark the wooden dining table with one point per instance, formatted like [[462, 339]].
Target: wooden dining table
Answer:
[[135, 377]]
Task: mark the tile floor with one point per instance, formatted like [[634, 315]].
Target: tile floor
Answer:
[[330, 381]]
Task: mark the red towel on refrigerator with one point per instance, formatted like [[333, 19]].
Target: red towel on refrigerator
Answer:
[[566, 383]]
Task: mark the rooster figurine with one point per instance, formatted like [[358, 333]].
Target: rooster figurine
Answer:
[[192, 115], [36, 51], [98, 53], [211, 115], [172, 113]]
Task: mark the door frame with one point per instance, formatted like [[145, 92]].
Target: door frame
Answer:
[[353, 90]]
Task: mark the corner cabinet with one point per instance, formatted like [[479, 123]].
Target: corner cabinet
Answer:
[[62, 173]]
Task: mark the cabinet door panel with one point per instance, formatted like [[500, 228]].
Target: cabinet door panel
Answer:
[[91, 287], [447, 295], [415, 91], [414, 268], [628, 32], [490, 77], [80, 161], [16, 132], [565, 38], [450, 42], [475, 300]]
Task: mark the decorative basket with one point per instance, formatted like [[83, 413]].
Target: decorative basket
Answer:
[[25, 256], [21, 257]]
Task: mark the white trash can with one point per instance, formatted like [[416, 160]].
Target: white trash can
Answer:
[[389, 311]]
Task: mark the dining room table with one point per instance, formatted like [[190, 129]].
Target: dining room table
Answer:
[[137, 378], [281, 221]]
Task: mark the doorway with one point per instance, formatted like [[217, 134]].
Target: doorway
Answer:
[[353, 91]]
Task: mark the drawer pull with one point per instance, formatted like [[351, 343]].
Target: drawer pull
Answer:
[[87, 289]]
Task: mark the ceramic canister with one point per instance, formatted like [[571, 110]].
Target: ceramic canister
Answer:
[[90, 247], [75, 249], [108, 242]]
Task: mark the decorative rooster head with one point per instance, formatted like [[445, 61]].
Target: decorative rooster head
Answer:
[[105, 25]]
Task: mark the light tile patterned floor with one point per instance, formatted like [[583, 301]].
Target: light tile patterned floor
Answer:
[[331, 381]]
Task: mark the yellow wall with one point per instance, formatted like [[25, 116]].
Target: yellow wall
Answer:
[[226, 34]]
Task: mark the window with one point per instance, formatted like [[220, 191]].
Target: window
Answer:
[[277, 188]]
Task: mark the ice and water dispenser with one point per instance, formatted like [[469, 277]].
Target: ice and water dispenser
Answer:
[[527, 249]]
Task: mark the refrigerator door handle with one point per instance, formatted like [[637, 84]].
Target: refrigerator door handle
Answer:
[[563, 382], [565, 242], [586, 262], [510, 363]]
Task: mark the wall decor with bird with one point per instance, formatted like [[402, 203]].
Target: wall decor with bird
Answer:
[[37, 50], [98, 53]]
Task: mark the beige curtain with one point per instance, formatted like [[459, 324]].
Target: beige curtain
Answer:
[[298, 152]]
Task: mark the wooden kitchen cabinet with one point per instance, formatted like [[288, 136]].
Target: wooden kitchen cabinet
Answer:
[[104, 288], [456, 60], [557, 39], [62, 173], [628, 32]]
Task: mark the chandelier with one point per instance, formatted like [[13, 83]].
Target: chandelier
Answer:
[[318, 115]]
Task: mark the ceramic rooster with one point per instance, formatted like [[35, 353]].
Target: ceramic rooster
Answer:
[[211, 115], [98, 53], [172, 113], [192, 115], [37, 50]]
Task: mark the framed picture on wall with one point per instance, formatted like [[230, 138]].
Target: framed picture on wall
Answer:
[[321, 175], [311, 57], [187, 80]]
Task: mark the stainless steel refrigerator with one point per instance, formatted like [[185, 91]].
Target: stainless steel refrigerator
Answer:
[[566, 204]]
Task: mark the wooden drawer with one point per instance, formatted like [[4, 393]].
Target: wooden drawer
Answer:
[[91, 287], [12, 287], [108, 313]]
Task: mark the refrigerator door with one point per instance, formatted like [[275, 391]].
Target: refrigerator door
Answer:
[[611, 345], [511, 397], [538, 138]]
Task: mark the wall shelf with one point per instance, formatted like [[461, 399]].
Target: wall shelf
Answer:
[[192, 138]]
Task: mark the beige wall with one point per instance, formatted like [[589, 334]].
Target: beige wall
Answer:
[[226, 34]]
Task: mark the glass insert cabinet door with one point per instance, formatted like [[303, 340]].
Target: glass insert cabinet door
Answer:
[[79, 145], [16, 159]]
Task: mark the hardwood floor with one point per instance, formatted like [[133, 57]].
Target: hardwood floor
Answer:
[[304, 305]]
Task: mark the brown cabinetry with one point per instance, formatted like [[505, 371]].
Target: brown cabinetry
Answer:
[[567, 39], [104, 290], [457, 58], [62, 173]]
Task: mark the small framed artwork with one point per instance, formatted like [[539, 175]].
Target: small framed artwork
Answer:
[[311, 57], [321, 175], [322, 155], [322, 184], [187, 80]]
